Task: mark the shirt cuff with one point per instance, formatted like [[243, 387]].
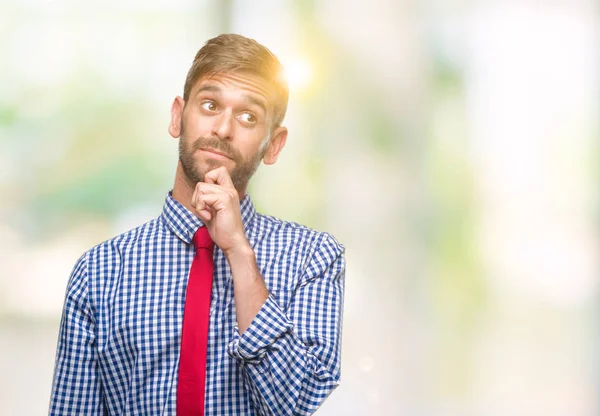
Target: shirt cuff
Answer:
[[267, 326]]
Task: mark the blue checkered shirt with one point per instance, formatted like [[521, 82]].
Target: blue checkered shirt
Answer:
[[120, 333]]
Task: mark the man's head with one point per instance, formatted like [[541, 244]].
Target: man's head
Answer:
[[231, 53], [234, 101]]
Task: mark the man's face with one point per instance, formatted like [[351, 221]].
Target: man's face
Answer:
[[227, 121]]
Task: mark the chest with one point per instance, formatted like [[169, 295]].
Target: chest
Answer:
[[140, 294]]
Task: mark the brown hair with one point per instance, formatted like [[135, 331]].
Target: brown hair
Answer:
[[231, 53]]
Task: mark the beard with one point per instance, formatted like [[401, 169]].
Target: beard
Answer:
[[194, 171]]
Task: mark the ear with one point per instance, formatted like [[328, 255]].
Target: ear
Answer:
[[176, 117], [276, 145]]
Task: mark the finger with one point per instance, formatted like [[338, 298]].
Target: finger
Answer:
[[218, 201], [205, 215], [196, 202], [220, 176], [210, 188]]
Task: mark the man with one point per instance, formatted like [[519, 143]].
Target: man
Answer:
[[211, 308]]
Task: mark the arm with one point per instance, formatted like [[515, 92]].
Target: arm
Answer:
[[76, 388], [249, 288], [291, 359], [217, 204]]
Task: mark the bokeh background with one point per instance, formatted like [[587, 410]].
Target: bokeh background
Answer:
[[452, 146]]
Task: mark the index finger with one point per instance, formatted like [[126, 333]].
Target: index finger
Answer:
[[220, 176]]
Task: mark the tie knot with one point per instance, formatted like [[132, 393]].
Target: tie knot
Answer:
[[202, 239]]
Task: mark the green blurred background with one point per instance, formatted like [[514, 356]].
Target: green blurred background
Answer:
[[452, 146]]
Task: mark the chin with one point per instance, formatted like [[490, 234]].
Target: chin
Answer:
[[201, 170]]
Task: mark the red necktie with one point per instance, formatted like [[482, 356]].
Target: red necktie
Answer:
[[194, 337]]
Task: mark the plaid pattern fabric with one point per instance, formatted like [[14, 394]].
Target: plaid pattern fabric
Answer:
[[120, 333]]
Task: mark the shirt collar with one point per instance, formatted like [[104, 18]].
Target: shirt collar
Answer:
[[184, 224]]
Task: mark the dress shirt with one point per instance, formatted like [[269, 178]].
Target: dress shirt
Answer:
[[120, 332]]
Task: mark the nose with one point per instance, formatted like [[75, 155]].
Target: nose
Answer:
[[223, 125]]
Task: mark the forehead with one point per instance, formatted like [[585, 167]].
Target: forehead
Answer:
[[237, 85]]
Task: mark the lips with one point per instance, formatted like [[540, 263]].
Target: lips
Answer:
[[216, 152]]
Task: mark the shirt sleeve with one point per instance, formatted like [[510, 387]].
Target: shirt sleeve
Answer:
[[76, 388], [290, 358]]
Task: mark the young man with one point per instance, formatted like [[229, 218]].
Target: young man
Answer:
[[211, 308]]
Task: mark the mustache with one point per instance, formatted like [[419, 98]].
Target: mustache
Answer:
[[216, 144]]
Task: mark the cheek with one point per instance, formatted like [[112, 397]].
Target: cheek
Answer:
[[249, 146], [195, 125]]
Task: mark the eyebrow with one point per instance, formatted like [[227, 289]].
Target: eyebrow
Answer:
[[246, 97]]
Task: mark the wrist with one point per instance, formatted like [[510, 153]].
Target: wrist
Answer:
[[239, 252]]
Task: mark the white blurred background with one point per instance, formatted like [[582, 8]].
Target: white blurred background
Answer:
[[452, 146]]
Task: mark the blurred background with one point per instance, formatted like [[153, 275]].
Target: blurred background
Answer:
[[452, 146]]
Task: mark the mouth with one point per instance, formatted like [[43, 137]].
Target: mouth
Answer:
[[215, 153]]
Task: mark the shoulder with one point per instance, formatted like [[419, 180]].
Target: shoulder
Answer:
[[292, 234], [110, 250], [104, 261]]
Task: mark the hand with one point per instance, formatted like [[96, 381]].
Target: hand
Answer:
[[217, 204]]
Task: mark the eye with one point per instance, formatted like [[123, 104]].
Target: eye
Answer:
[[209, 106], [248, 118]]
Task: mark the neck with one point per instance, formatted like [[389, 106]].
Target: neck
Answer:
[[183, 189]]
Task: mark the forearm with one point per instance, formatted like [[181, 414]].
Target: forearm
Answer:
[[290, 353], [249, 288], [286, 376]]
